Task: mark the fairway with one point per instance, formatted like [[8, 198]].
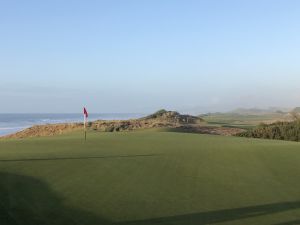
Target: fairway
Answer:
[[149, 177]]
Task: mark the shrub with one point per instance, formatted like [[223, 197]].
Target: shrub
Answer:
[[280, 131]]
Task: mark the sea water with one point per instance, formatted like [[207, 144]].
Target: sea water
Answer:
[[13, 122]]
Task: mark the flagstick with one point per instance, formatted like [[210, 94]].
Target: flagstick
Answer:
[[84, 125]]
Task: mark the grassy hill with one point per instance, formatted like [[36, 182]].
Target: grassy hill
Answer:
[[149, 177], [246, 121], [297, 110], [159, 119]]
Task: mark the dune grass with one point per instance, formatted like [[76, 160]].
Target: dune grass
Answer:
[[149, 178]]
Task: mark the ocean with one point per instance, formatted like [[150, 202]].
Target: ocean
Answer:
[[11, 123]]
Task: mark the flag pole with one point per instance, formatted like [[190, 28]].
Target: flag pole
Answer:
[[85, 116], [84, 126]]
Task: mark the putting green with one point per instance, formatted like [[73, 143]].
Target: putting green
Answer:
[[149, 178]]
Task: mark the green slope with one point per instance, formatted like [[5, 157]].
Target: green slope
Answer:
[[149, 178]]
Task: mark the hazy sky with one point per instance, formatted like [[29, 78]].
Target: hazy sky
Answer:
[[139, 56]]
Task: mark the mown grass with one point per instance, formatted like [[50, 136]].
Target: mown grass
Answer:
[[241, 121], [149, 178]]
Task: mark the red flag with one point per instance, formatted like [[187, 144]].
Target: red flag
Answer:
[[85, 112]]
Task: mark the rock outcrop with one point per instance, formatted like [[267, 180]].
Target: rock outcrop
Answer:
[[160, 119]]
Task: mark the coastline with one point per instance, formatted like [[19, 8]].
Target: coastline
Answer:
[[170, 120], [11, 123]]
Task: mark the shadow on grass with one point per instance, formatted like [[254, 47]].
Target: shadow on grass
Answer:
[[75, 158], [293, 222], [28, 201], [180, 130], [211, 217]]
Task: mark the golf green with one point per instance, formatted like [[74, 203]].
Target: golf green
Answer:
[[149, 177]]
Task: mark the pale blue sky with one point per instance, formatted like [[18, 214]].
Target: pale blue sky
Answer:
[[139, 56]]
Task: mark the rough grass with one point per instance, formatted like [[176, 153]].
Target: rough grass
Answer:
[[149, 178]]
